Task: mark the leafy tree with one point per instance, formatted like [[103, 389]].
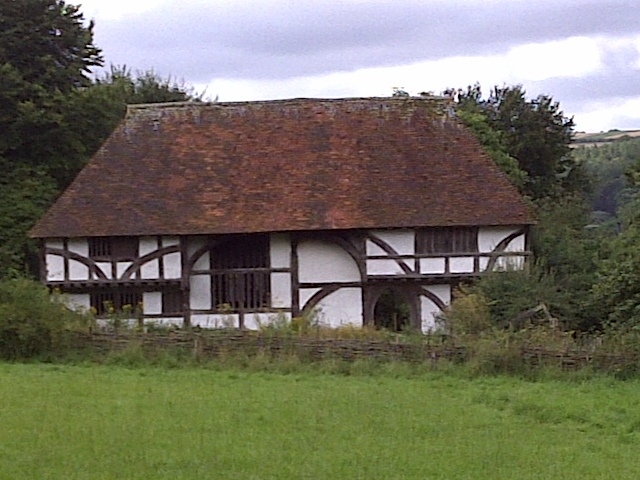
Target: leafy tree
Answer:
[[472, 112], [533, 132], [616, 293], [46, 52], [53, 117], [530, 141], [46, 43]]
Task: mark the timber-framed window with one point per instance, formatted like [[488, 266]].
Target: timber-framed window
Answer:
[[446, 240], [240, 274], [172, 302], [118, 249], [107, 301]]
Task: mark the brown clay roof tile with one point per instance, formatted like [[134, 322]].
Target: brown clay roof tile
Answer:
[[304, 164]]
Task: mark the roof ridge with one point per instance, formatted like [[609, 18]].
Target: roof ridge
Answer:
[[295, 100]]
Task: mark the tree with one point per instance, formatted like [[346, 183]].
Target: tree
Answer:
[[616, 292], [533, 132], [53, 117], [46, 43], [530, 141], [46, 53], [471, 110]]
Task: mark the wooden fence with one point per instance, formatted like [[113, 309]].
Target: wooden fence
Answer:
[[216, 344]]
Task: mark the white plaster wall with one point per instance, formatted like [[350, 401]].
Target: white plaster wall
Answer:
[[172, 266], [490, 237], [373, 249], [461, 264], [146, 245], [402, 241], [305, 295], [257, 320], [281, 290], [280, 251], [215, 321], [79, 246], [483, 263], [429, 309], [509, 263], [80, 302], [55, 267], [105, 267], [342, 307], [165, 321], [432, 265], [150, 269], [325, 262], [54, 243], [152, 303], [429, 313], [386, 267], [121, 267], [516, 245], [202, 263], [170, 241], [200, 294], [78, 271]]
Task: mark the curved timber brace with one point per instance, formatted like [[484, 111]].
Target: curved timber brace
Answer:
[[501, 247], [155, 255], [94, 269], [389, 250]]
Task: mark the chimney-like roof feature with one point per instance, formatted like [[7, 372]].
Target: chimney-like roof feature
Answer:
[[285, 165]]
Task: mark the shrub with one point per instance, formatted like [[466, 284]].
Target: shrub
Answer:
[[511, 293], [33, 323], [468, 314]]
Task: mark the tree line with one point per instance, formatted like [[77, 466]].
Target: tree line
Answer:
[[54, 115]]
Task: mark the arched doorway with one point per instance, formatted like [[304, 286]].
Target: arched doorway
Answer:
[[392, 311]]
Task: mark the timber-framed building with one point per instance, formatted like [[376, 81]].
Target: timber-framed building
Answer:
[[215, 213]]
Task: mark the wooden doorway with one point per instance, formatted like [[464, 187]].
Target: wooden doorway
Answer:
[[392, 311]]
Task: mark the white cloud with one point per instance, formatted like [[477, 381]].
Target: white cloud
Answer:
[[604, 116], [268, 49], [571, 57], [118, 9]]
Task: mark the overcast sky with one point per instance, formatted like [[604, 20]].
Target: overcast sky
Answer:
[[584, 53]]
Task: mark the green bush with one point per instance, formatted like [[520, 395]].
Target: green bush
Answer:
[[468, 314], [33, 322]]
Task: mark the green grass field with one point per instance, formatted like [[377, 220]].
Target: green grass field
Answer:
[[110, 422]]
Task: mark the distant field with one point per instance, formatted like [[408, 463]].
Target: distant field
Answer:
[[582, 139], [99, 422]]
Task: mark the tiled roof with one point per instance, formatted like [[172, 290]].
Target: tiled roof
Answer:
[[304, 164]]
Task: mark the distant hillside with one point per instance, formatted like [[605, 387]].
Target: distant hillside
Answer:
[[617, 154], [582, 139]]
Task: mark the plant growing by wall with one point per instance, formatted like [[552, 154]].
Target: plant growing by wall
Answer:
[[33, 322]]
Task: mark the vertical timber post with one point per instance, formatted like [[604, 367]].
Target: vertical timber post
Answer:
[[184, 282]]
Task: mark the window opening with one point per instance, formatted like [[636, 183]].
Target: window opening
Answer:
[[241, 276], [117, 249], [172, 302], [106, 302], [447, 240]]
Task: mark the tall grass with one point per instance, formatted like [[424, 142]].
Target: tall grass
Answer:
[[74, 422]]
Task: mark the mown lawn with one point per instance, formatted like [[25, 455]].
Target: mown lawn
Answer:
[[108, 422]]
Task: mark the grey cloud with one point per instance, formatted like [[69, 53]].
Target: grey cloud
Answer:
[[287, 39], [618, 78]]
